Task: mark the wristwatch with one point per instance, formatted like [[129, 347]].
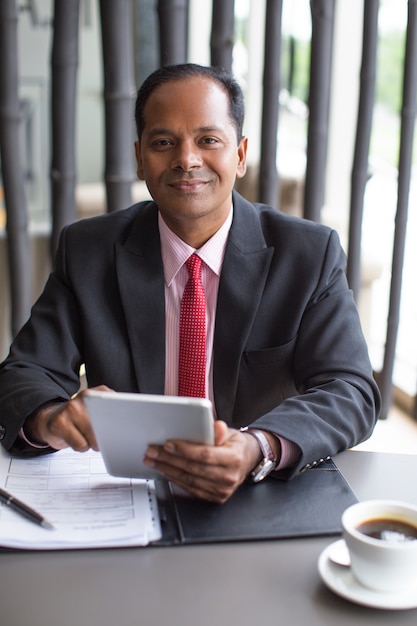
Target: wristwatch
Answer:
[[268, 462]]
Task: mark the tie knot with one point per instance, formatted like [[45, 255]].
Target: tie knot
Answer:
[[193, 264]]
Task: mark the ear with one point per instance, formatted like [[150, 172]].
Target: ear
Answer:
[[139, 169], [241, 153]]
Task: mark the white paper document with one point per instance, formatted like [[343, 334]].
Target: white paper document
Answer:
[[87, 507]]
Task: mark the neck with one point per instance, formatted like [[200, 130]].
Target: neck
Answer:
[[195, 232]]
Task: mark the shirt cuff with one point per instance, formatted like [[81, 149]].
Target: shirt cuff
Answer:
[[32, 444], [22, 434], [290, 453]]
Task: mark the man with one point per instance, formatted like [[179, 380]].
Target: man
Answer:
[[284, 350]]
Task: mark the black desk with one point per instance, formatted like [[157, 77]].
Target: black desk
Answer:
[[240, 584]]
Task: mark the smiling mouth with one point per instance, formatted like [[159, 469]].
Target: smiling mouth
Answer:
[[188, 186]]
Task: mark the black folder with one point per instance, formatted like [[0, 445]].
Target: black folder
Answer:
[[308, 505]]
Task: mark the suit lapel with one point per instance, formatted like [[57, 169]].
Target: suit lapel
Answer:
[[244, 273], [141, 283]]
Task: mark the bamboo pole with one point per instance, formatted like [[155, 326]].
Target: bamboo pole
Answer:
[[116, 31], [362, 143], [63, 105], [18, 240], [268, 173], [145, 29], [291, 65], [408, 117], [322, 13], [222, 33], [172, 16]]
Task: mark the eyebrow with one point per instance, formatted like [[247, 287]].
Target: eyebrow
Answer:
[[201, 129]]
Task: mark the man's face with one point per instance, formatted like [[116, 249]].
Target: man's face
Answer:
[[189, 155]]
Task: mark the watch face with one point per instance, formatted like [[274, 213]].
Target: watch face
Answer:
[[259, 473]]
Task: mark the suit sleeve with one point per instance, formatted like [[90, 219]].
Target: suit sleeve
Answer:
[[337, 402], [44, 360]]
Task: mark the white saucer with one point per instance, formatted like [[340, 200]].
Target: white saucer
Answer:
[[341, 581]]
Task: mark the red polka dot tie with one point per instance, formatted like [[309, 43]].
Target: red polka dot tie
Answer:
[[192, 351]]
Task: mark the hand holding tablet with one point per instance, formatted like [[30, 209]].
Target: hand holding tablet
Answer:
[[125, 424]]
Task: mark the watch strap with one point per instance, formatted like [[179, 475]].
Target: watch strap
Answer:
[[262, 439]]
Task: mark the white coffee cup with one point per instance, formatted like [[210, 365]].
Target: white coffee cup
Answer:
[[383, 564]]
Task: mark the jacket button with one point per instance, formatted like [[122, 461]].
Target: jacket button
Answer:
[[2, 432]]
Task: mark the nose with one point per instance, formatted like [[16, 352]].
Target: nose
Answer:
[[186, 156]]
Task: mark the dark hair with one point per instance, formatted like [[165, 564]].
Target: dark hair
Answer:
[[183, 71]]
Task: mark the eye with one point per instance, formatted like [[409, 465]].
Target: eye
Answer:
[[209, 141], [160, 144]]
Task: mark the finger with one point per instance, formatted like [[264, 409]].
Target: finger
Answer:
[[197, 486], [184, 458], [97, 388], [71, 425], [228, 450], [201, 492], [62, 429], [211, 481]]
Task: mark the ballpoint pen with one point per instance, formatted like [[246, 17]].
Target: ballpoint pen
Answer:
[[23, 509]]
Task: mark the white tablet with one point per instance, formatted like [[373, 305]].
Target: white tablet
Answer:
[[126, 423]]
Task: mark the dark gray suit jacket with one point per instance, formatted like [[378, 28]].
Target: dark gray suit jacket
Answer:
[[289, 354]]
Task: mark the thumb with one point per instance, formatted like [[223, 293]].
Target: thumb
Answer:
[[221, 432]]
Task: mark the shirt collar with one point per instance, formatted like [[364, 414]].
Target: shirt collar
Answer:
[[175, 251]]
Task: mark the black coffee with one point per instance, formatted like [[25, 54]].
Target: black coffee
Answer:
[[390, 530]]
